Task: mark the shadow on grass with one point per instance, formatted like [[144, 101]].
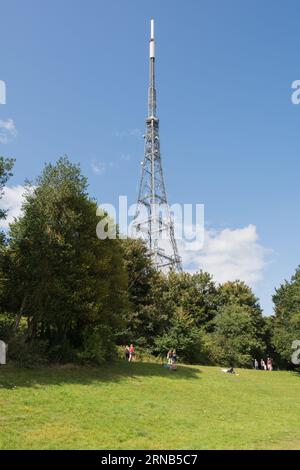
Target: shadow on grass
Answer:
[[12, 377], [296, 372]]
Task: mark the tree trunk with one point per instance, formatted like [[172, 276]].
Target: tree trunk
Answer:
[[19, 316]]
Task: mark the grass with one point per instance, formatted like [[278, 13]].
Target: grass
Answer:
[[145, 406]]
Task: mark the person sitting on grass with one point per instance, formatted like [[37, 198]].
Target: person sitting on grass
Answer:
[[229, 371]]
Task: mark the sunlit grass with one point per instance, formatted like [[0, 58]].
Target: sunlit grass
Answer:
[[145, 406]]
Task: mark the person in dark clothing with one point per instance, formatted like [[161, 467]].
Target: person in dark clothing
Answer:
[[127, 353], [174, 360]]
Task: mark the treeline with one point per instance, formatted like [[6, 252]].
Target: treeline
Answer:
[[67, 296]]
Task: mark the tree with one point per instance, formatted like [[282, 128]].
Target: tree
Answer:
[[286, 321], [65, 281], [6, 166], [235, 341], [149, 313], [184, 336], [196, 294], [238, 293]]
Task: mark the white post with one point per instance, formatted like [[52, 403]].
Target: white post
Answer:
[[3, 349]]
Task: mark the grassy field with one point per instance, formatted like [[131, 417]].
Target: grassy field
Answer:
[[145, 406]]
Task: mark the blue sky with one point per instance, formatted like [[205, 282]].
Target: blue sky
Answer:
[[76, 74]]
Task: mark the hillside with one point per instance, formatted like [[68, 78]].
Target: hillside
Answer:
[[145, 406]]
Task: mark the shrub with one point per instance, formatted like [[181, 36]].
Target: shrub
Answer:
[[6, 326], [27, 354], [99, 346], [185, 337], [62, 352]]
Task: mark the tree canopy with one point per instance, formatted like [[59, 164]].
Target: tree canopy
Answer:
[[286, 321], [67, 295]]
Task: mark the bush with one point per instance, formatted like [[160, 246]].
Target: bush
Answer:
[[99, 346], [141, 354], [185, 337], [235, 341], [27, 354], [6, 326], [62, 352]]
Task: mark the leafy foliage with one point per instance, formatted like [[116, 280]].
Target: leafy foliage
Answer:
[[149, 309], [6, 166], [6, 326], [184, 336], [235, 340], [286, 322], [63, 278], [68, 296]]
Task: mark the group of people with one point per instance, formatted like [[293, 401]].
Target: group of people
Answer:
[[172, 359], [129, 353], [264, 365]]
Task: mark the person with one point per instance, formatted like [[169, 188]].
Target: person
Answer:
[[127, 353], [229, 371], [131, 353], [263, 365], [169, 356], [269, 364], [174, 360], [255, 364]]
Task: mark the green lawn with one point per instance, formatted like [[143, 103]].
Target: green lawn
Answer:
[[145, 406]]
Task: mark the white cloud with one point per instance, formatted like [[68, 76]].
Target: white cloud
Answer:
[[98, 167], [227, 254], [125, 157], [8, 130], [136, 132], [12, 202]]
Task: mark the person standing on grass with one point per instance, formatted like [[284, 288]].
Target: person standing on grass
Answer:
[[131, 353], [269, 364], [174, 360], [255, 364], [127, 354], [263, 365], [169, 356]]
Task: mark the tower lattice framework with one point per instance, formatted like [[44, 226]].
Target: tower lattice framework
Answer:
[[153, 220]]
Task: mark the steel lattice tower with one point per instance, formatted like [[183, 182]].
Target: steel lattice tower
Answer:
[[153, 220]]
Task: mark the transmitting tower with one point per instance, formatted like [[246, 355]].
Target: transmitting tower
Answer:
[[153, 220]]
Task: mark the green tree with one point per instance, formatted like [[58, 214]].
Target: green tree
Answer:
[[235, 341], [196, 294], [239, 293], [184, 336], [6, 166], [63, 279], [149, 309], [286, 321]]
